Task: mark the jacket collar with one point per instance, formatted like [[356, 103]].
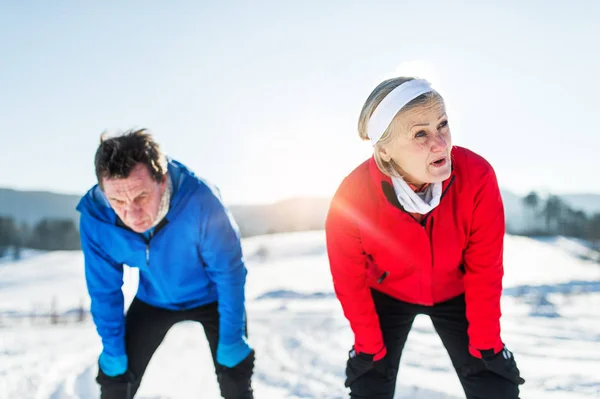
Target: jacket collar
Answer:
[[382, 183]]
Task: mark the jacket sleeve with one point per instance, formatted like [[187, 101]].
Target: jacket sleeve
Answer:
[[221, 252], [483, 261], [104, 278], [348, 264]]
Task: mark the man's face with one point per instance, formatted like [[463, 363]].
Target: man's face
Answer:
[[136, 198]]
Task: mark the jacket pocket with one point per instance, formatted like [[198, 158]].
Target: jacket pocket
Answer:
[[374, 272]]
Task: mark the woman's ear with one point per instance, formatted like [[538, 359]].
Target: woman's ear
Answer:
[[383, 154]]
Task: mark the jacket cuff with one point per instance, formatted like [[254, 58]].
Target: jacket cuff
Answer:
[[376, 356], [488, 352], [380, 355]]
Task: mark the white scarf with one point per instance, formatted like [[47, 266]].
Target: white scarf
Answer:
[[165, 200], [423, 202]]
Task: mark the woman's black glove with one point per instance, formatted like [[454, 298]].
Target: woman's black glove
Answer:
[[502, 363], [360, 363]]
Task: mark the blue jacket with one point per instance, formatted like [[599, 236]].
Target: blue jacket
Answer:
[[195, 258]]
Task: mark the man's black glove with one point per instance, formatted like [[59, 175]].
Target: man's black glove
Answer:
[[502, 363], [235, 381], [360, 363], [127, 377]]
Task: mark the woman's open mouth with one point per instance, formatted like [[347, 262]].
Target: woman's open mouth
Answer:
[[438, 163]]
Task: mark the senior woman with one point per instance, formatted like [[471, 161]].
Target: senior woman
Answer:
[[418, 229]]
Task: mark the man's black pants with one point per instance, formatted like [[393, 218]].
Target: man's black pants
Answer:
[[145, 329], [449, 320]]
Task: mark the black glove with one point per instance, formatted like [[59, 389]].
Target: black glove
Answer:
[[502, 363], [360, 363], [235, 381], [126, 377]]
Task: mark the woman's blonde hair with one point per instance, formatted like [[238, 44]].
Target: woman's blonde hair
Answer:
[[374, 99]]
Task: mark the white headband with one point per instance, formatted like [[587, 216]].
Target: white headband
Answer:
[[387, 110]]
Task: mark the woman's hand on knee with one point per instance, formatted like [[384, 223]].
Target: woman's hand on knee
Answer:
[[359, 364]]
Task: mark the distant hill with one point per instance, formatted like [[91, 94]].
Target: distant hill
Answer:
[[31, 206], [294, 214], [288, 215]]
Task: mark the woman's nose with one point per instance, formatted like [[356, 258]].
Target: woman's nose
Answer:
[[440, 143]]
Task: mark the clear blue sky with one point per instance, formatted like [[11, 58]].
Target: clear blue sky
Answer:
[[262, 98]]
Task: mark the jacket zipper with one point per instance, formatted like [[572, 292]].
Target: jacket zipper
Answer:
[[159, 227], [148, 249], [447, 187], [431, 246], [424, 221], [431, 241]]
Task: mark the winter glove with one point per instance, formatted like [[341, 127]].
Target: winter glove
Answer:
[[235, 382], [502, 363], [112, 366], [230, 355], [360, 363]]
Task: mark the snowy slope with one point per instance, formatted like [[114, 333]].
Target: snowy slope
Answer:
[[551, 321]]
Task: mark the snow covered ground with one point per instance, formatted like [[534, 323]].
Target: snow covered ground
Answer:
[[551, 321]]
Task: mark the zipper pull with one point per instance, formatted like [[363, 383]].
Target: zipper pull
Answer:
[[147, 255], [382, 277]]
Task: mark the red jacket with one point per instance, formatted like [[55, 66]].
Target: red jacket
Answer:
[[456, 248]]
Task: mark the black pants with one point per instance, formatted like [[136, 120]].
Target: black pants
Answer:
[[450, 323], [145, 329]]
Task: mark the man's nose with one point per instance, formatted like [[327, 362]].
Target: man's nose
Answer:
[[134, 209]]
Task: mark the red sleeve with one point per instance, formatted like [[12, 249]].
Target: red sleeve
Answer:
[[483, 260], [349, 272]]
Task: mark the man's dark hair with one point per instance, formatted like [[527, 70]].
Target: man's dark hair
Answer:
[[117, 156]]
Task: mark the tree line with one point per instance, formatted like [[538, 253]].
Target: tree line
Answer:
[[545, 216], [47, 234], [551, 216]]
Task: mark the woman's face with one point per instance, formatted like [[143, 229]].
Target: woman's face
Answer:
[[421, 144]]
